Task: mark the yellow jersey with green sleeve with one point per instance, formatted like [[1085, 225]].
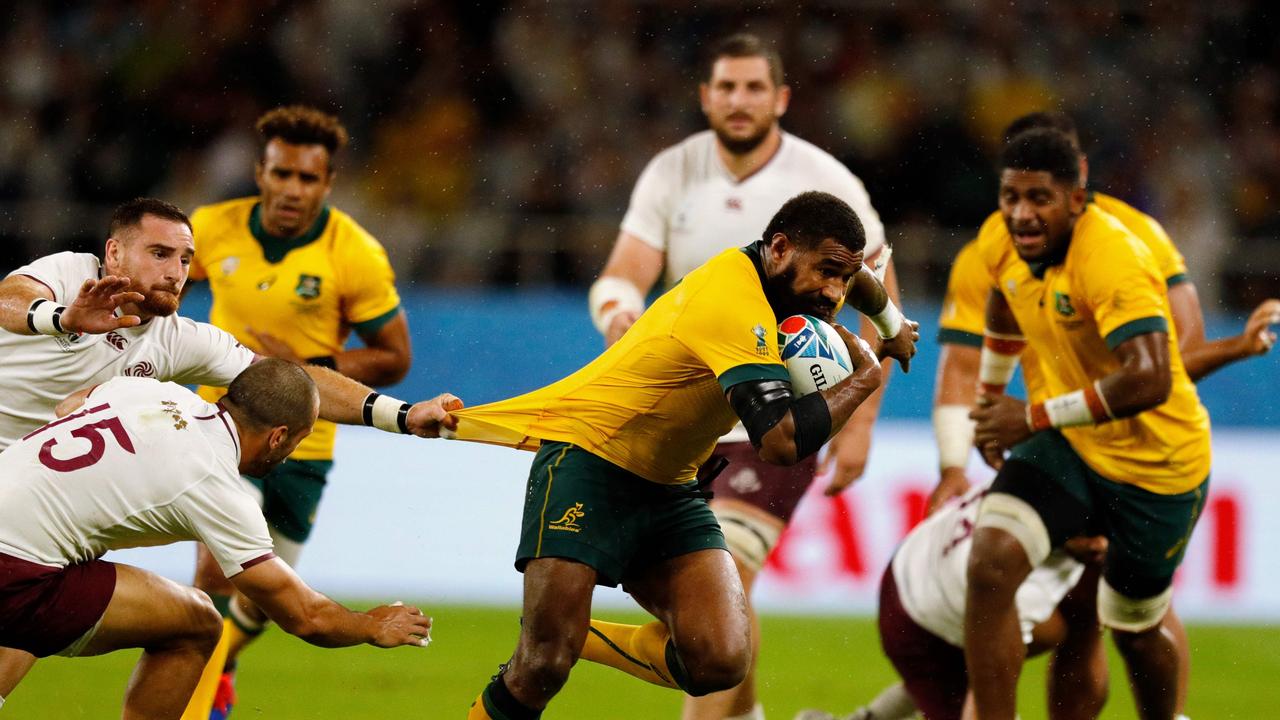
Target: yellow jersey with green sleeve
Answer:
[[1173, 267], [1107, 289], [309, 292], [654, 403]]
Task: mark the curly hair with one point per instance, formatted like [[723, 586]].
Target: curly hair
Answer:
[[302, 125]]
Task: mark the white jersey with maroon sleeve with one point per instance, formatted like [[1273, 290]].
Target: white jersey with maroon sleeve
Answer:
[[38, 371], [689, 206], [142, 463], [929, 571]]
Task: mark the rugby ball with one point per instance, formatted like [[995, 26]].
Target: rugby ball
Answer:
[[814, 353]]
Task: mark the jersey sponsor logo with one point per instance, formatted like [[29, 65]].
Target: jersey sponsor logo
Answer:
[[1062, 303], [733, 203], [746, 481], [308, 287], [229, 265], [568, 521], [170, 408], [762, 348], [141, 369], [67, 343], [115, 340], [266, 282]]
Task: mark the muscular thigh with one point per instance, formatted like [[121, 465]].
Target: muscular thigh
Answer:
[[697, 595], [146, 609]]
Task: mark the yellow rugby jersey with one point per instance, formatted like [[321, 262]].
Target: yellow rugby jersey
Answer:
[[1106, 290], [309, 292], [654, 403]]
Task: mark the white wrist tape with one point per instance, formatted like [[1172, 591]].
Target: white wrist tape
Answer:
[[888, 321], [998, 360], [953, 431], [880, 264], [1069, 410], [612, 295], [44, 317], [386, 413]]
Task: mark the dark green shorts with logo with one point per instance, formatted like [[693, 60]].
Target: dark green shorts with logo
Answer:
[[582, 507], [291, 494], [1147, 532]]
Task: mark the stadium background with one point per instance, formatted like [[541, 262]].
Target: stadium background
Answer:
[[494, 147]]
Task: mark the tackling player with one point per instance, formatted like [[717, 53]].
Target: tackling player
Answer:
[[707, 194], [613, 496], [1120, 446], [292, 277], [148, 463]]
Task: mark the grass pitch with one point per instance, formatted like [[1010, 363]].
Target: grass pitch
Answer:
[[832, 663]]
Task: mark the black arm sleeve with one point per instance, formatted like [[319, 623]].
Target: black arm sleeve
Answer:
[[761, 404]]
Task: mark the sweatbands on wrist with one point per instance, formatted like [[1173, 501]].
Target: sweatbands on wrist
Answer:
[[612, 295], [953, 431], [1073, 409], [760, 404], [998, 361], [888, 321], [324, 361], [44, 317], [812, 420], [386, 413]]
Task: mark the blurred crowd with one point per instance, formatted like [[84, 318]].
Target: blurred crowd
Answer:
[[497, 142]]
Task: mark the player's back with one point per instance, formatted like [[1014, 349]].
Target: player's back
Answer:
[[113, 474]]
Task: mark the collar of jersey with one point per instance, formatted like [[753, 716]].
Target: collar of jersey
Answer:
[[275, 248], [755, 251]]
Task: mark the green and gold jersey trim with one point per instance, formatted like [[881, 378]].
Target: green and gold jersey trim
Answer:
[[370, 327], [275, 248], [1134, 328], [756, 371], [1175, 279], [952, 336]]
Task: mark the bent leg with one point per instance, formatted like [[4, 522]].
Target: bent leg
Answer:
[[741, 700], [177, 627], [14, 665], [994, 651], [1078, 682]]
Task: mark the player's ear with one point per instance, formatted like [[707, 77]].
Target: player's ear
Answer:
[[1077, 200], [704, 96], [783, 100], [278, 436]]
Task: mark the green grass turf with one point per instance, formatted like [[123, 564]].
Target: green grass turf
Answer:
[[834, 663]]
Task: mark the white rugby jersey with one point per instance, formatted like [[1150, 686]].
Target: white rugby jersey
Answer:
[[929, 569], [689, 206], [38, 371], [142, 463]]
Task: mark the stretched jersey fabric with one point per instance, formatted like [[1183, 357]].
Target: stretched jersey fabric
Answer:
[[654, 403], [1106, 290], [142, 463], [38, 371], [963, 314], [309, 292], [689, 206], [930, 569]]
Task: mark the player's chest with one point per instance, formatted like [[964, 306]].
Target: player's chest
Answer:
[[1051, 305], [94, 358], [717, 207], [303, 283]]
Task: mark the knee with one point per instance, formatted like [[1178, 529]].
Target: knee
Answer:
[[204, 624], [543, 667], [714, 666]]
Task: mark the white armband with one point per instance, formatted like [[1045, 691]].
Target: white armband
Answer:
[[953, 431], [888, 321], [44, 317], [386, 413], [612, 295]]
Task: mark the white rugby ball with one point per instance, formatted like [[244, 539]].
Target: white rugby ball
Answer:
[[815, 355]]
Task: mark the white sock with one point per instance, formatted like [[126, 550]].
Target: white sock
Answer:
[[1176, 717], [893, 703], [1, 701], [755, 713]]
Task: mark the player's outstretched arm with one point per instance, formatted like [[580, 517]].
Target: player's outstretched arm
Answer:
[[786, 429], [303, 612], [1202, 356], [898, 335], [27, 307], [616, 299], [347, 402]]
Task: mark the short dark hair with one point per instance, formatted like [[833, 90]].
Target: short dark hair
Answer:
[[131, 213], [301, 125], [1043, 150], [273, 392], [811, 217], [746, 45], [1051, 120]]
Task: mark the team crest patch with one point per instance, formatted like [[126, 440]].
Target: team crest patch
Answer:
[[1062, 303], [266, 282], [762, 348], [308, 287], [568, 521]]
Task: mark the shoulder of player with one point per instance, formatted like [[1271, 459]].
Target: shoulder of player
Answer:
[[1148, 229], [707, 287], [992, 242], [1099, 232], [234, 212], [346, 233]]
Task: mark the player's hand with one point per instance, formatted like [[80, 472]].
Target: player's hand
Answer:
[[1258, 336], [619, 325], [859, 351], [272, 346], [1001, 424], [846, 458], [431, 418], [399, 624], [953, 484], [94, 309], [901, 347]]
